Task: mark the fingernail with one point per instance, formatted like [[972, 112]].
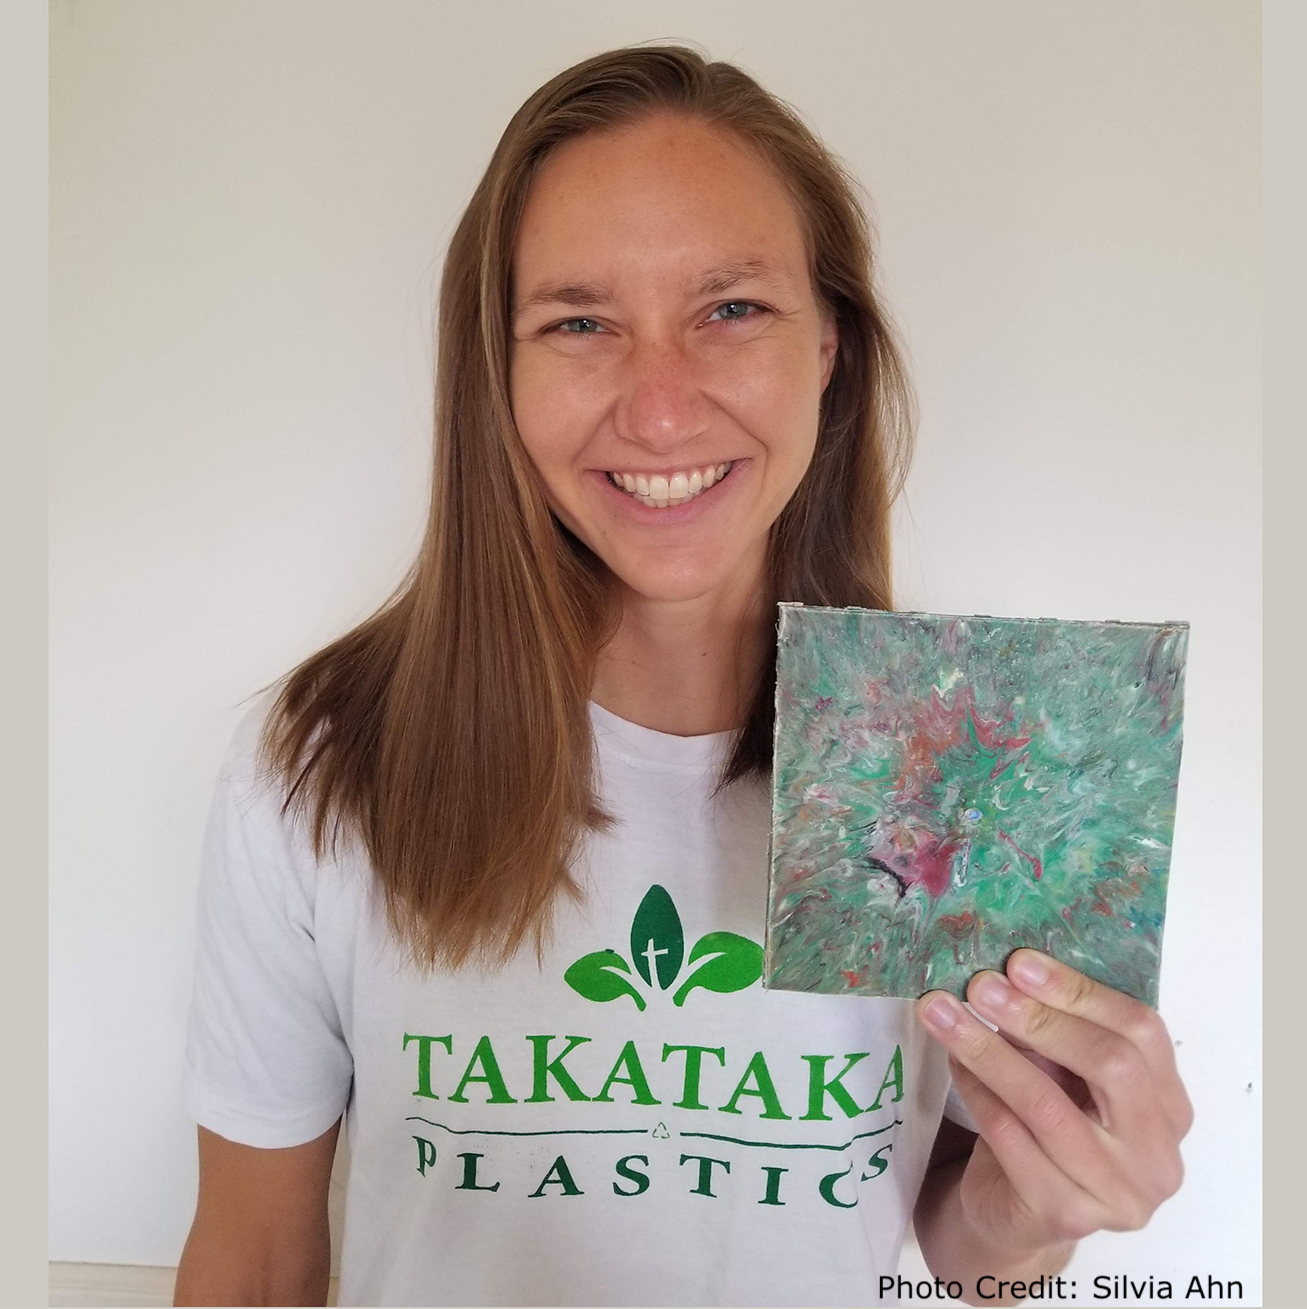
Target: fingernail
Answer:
[[1030, 968], [941, 1013], [990, 991]]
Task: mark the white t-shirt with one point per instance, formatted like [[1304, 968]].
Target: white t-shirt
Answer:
[[648, 1126]]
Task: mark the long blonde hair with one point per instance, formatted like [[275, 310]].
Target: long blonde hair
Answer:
[[450, 731]]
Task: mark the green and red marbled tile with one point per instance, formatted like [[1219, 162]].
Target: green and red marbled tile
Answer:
[[948, 789]]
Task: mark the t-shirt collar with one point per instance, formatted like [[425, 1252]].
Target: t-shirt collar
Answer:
[[643, 743]]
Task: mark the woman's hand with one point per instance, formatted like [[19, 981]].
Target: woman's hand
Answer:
[[1077, 1100]]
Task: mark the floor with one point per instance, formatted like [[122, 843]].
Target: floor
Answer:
[[115, 1286]]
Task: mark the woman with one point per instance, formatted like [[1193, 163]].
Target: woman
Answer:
[[498, 892]]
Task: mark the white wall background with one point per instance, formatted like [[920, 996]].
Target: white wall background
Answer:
[[249, 206]]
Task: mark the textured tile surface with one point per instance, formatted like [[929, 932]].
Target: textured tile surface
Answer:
[[947, 789]]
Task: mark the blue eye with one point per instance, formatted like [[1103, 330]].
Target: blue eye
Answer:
[[734, 311], [738, 304]]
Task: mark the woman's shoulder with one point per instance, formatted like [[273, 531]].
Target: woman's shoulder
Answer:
[[252, 714], [253, 790], [245, 768]]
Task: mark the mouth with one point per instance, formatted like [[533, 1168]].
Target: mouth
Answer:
[[667, 492]]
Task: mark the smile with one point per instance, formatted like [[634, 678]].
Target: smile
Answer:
[[663, 491]]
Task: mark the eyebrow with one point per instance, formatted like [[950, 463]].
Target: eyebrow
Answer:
[[589, 295]]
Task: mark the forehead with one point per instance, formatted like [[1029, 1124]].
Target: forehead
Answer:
[[659, 200]]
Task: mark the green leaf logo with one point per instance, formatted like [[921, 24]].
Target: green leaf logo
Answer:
[[593, 977], [657, 942], [726, 961], [736, 963]]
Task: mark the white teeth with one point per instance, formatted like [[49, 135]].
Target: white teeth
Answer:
[[661, 490]]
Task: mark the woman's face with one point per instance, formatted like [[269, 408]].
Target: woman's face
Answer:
[[664, 331]]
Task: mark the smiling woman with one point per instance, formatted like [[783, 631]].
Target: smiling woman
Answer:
[[667, 399]]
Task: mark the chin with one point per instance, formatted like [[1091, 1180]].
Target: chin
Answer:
[[658, 585]]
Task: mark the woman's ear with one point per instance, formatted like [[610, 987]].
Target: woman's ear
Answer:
[[830, 345]]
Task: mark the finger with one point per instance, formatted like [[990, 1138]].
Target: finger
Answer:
[[1073, 1085], [1077, 1146], [1060, 986], [1066, 1211], [1116, 1072]]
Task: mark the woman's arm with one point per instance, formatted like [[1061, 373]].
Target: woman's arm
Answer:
[[260, 1233], [953, 1251]]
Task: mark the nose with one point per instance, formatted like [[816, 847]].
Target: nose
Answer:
[[661, 403]]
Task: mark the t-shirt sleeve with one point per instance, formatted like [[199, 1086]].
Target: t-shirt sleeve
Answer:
[[955, 1110], [266, 1059]]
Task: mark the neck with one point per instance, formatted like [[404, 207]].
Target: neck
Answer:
[[686, 667]]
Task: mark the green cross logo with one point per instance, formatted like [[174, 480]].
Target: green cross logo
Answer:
[[725, 961]]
